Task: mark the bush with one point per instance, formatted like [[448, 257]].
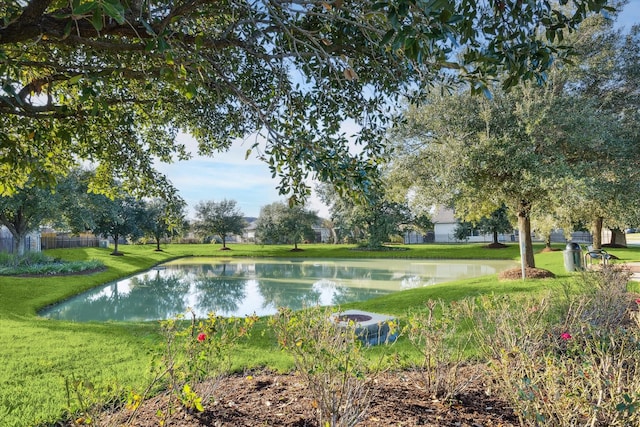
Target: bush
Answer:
[[436, 333], [329, 356], [579, 368], [26, 260], [195, 356], [36, 263]]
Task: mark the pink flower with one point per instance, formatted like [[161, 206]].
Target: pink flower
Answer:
[[565, 336], [638, 301], [202, 336]]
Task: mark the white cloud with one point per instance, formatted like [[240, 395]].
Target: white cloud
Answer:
[[227, 175]]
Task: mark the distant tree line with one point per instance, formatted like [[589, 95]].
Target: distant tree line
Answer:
[[72, 207]]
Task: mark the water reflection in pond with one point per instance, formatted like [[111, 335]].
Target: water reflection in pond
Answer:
[[238, 287]]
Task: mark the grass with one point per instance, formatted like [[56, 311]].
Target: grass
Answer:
[[42, 359]]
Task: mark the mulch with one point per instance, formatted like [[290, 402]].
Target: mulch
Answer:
[[272, 399]]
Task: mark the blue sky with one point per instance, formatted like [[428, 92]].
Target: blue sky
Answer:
[[229, 176], [630, 15]]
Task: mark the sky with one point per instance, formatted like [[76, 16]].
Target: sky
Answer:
[[229, 176], [225, 175]]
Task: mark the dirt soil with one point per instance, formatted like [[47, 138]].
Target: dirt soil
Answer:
[[268, 399]]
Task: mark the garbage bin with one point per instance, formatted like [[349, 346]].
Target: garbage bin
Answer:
[[573, 257]]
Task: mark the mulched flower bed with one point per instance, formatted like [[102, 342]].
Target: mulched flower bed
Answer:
[[270, 399]]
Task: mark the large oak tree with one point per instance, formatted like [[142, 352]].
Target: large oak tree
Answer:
[[221, 219], [113, 82]]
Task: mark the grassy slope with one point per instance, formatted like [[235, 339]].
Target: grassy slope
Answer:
[[38, 356]]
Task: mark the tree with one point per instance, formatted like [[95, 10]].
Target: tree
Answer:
[[607, 76], [114, 81], [222, 219], [373, 221], [24, 212], [162, 219], [521, 149], [381, 219], [498, 222], [281, 223], [119, 217], [470, 153], [77, 203], [463, 231]]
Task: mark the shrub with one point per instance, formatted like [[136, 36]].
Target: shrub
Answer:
[[582, 368], [196, 355], [26, 260], [435, 333], [329, 356], [36, 263]]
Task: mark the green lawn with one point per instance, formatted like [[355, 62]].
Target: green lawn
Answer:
[[40, 357]]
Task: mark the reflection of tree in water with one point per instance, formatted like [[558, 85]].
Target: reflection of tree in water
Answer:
[[150, 297], [158, 297], [279, 270], [295, 295], [219, 294], [217, 269], [341, 294], [319, 270]]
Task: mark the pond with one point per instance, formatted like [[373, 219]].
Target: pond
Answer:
[[243, 286]]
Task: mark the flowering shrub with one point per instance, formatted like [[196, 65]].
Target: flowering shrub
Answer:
[[330, 357], [196, 352], [576, 363]]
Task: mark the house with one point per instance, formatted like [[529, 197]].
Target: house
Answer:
[[445, 223], [249, 233]]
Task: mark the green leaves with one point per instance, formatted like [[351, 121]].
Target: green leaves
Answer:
[[126, 76], [99, 11]]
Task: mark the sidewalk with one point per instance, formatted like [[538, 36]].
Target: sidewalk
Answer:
[[634, 267]]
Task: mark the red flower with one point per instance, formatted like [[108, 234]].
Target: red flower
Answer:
[[565, 336], [638, 301], [202, 336]]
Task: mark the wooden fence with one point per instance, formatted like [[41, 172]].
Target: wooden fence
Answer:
[[62, 241]]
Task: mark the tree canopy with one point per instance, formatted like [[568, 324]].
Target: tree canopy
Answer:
[[162, 220], [280, 223], [24, 211], [114, 82], [563, 153], [122, 216], [221, 219], [371, 224]]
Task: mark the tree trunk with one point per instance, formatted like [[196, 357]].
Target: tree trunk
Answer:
[[224, 242], [596, 231], [334, 235], [547, 241], [495, 237], [158, 244], [618, 238], [18, 244], [524, 226], [116, 237], [18, 228]]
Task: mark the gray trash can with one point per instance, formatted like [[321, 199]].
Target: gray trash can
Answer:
[[573, 257]]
